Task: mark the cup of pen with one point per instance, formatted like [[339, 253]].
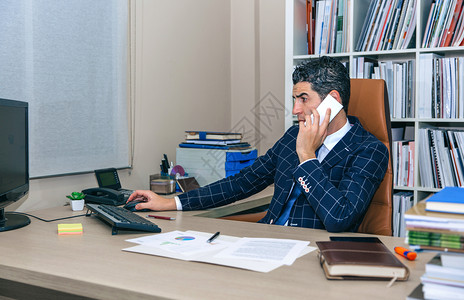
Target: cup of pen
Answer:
[[162, 184]]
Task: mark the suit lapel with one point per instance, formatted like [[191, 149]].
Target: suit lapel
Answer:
[[346, 146]]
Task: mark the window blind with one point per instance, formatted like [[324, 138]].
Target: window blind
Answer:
[[69, 60]]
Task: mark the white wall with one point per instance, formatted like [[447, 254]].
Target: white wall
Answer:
[[257, 70], [202, 65]]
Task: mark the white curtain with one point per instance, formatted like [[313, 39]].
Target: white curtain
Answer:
[[68, 59]]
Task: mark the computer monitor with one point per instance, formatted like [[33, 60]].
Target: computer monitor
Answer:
[[14, 160]]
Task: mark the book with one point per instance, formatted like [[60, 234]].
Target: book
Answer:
[[360, 260], [236, 146], [451, 29], [213, 142], [441, 281], [435, 239], [448, 200], [212, 135], [417, 218]]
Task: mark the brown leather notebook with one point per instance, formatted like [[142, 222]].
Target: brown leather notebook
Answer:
[[360, 260]]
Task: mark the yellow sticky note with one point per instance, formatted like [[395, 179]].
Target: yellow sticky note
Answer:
[[70, 228]]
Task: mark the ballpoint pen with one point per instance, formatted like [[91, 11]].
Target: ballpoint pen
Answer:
[[160, 217], [213, 237]]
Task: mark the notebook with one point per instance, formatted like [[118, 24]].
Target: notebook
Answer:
[[360, 260]]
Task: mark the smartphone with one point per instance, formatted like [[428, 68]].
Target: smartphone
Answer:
[[328, 102]]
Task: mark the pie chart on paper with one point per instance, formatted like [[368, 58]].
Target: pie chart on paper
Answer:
[[185, 238]]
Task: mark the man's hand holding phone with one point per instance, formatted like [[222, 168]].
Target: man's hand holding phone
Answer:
[[313, 130], [311, 134]]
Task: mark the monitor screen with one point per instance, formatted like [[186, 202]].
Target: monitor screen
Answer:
[[14, 160]]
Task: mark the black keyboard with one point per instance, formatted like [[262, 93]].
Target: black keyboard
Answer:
[[121, 218]]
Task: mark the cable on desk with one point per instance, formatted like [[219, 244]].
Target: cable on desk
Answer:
[[25, 214]]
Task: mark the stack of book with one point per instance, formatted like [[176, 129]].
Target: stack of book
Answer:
[[211, 156], [437, 223], [441, 95], [402, 202], [214, 140], [389, 24], [445, 26], [403, 163], [327, 24], [399, 77], [442, 152], [443, 278]]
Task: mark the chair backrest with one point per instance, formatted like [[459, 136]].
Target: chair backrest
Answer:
[[369, 103]]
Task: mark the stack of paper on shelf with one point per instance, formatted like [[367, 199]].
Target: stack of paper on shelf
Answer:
[[210, 165], [65, 229], [430, 230]]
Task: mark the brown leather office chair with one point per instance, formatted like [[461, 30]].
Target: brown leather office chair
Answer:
[[369, 103]]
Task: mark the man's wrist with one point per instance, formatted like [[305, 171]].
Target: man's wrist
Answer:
[[309, 159], [178, 203]]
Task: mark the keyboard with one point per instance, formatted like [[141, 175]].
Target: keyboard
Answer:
[[121, 218]]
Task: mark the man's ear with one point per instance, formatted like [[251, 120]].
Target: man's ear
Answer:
[[336, 95]]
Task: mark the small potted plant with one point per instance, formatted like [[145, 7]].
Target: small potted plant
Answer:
[[77, 200]]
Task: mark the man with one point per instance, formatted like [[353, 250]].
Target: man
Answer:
[[324, 175]]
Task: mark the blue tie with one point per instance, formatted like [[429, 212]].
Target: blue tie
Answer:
[[296, 192]]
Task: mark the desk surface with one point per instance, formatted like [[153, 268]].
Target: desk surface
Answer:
[[93, 265]]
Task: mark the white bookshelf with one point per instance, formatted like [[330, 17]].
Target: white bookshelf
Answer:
[[296, 51]]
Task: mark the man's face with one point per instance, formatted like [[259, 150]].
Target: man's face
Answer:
[[304, 98]]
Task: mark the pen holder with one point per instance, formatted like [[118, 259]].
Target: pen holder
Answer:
[[162, 184]]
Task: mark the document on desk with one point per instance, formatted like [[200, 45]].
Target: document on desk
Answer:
[[256, 254], [184, 243], [267, 250]]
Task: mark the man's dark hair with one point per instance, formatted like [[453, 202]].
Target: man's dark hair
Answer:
[[325, 74]]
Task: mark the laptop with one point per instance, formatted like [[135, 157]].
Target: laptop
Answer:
[[109, 178]]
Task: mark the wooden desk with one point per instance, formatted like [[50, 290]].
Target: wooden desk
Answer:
[[93, 265]]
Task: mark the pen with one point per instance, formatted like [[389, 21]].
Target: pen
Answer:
[[160, 217], [406, 253], [213, 237]]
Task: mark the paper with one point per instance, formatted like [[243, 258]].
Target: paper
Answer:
[[268, 250], [185, 243], [151, 245]]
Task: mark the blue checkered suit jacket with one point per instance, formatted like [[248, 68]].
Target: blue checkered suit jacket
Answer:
[[336, 192]]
